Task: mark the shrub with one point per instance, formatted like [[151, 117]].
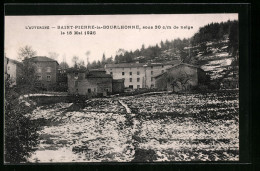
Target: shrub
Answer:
[[20, 132]]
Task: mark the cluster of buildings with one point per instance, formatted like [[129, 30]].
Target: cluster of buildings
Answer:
[[155, 75], [113, 78]]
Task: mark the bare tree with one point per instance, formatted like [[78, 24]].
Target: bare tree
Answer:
[[53, 55], [26, 52], [81, 64], [87, 55], [120, 51], [75, 60], [64, 65]]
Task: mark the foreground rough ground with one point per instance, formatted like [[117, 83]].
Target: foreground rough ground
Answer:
[[165, 127]]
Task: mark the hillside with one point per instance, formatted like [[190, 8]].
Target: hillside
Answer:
[[214, 48]]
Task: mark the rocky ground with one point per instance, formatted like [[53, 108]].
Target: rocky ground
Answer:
[[162, 127]]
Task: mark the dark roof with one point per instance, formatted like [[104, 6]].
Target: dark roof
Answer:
[[41, 59], [90, 73], [73, 70], [98, 70], [133, 65], [190, 65], [97, 74], [118, 80], [175, 62], [13, 61], [124, 65]]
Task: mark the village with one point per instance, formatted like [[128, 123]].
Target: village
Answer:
[[150, 97], [113, 79], [128, 105]]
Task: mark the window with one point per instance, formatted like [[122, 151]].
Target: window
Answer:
[[131, 86], [162, 71], [138, 73], [130, 73], [39, 77], [162, 66], [123, 73], [8, 68], [138, 86], [130, 79], [39, 69], [138, 79], [111, 73], [152, 79], [48, 69], [151, 67], [94, 89], [89, 90], [76, 75], [48, 78], [76, 83], [151, 72]]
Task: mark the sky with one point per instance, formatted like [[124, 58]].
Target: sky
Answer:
[[106, 41]]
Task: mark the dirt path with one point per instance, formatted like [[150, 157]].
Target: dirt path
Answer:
[[128, 110]]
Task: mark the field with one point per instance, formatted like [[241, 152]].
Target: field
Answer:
[[148, 128]]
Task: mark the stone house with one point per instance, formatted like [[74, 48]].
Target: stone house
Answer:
[[46, 72], [181, 77], [89, 82], [12, 70]]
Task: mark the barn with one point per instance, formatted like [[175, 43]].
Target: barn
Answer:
[[181, 77]]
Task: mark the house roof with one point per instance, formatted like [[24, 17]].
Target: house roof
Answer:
[[124, 65], [90, 73], [97, 74], [175, 67], [13, 61], [73, 70], [133, 65], [98, 70], [174, 62], [118, 80], [41, 59], [194, 66]]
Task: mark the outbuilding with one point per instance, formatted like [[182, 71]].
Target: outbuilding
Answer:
[[181, 77]]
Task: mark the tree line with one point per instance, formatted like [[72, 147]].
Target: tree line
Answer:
[[181, 49]]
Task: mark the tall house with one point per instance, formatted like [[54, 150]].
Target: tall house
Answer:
[[132, 73], [46, 71], [138, 75], [12, 70]]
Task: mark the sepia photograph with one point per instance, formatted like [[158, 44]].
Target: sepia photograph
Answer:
[[136, 88]]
